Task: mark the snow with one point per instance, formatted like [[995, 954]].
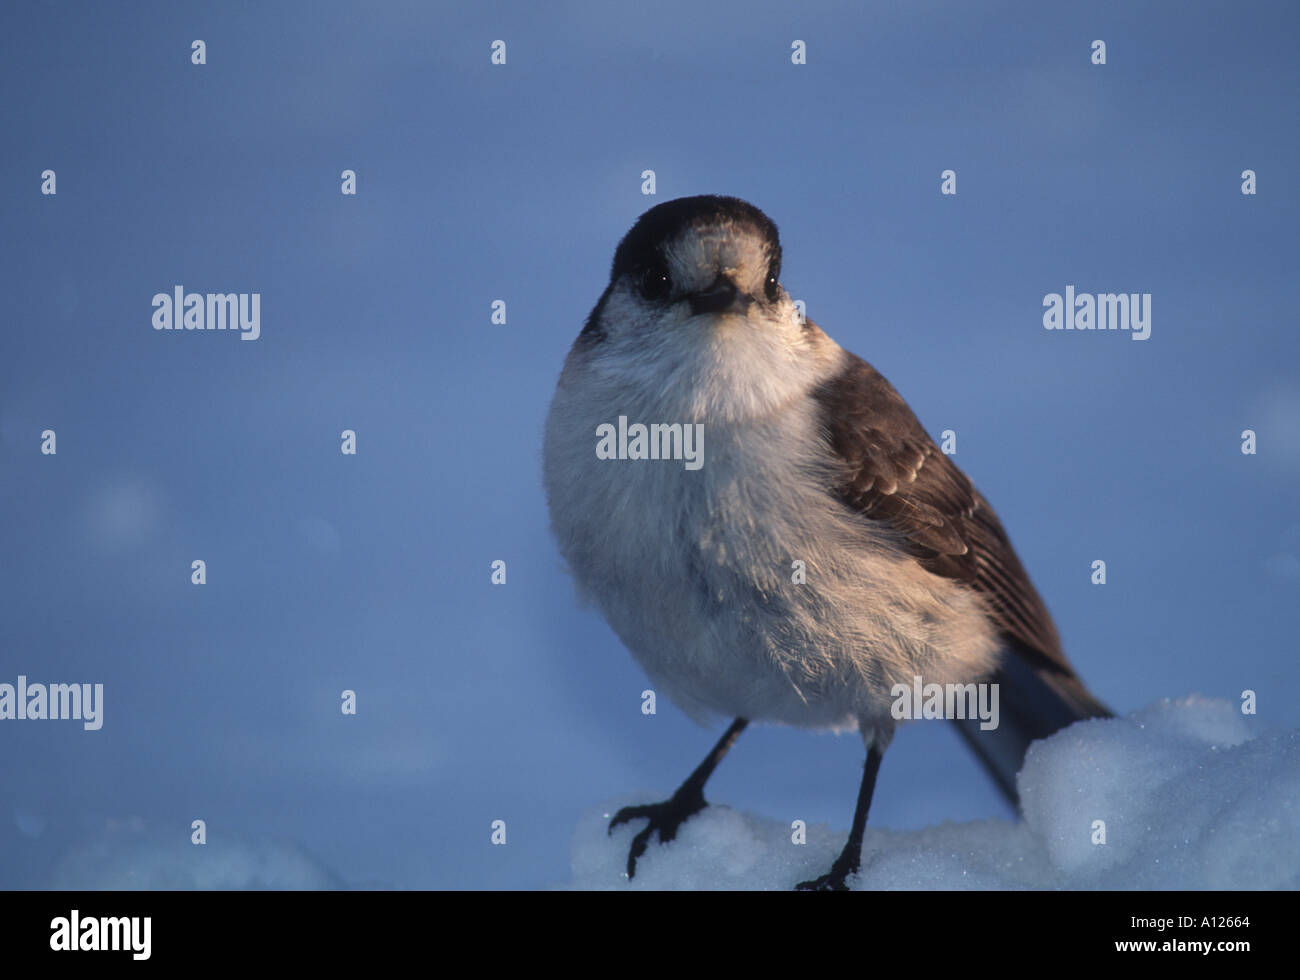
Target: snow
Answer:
[[1184, 796], [1187, 797], [129, 855]]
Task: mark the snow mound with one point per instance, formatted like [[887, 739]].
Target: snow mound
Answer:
[[127, 856], [1176, 796]]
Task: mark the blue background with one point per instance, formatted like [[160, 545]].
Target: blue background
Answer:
[[479, 182]]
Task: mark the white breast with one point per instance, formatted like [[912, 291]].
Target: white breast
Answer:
[[695, 569]]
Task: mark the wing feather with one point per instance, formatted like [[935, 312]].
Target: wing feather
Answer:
[[893, 472]]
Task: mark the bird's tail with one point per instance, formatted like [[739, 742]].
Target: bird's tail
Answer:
[[1033, 702]]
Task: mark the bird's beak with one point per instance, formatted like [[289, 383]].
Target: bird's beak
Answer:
[[721, 297]]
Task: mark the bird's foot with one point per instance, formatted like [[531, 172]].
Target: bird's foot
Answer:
[[833, 880], [664, 819]]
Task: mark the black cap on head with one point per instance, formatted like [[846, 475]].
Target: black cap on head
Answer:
[[642, 246]]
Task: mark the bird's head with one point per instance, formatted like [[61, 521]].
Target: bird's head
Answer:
[[695, 302]]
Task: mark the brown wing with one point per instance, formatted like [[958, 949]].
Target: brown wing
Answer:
[[894, 472]]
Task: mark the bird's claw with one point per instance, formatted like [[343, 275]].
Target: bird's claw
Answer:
[[831, 881], [664, 819], [826, 883]]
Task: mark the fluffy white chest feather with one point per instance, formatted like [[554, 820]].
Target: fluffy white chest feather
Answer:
[[744, 587]]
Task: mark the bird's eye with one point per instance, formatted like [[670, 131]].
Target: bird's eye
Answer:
[[773, 289], [655, 282]]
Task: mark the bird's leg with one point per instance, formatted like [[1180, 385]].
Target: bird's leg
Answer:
[[851, 857], [667, 816]]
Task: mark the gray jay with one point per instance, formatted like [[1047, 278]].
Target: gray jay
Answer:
[[766, 525]]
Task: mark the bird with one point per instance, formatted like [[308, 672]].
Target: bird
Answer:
[[816, 554]]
